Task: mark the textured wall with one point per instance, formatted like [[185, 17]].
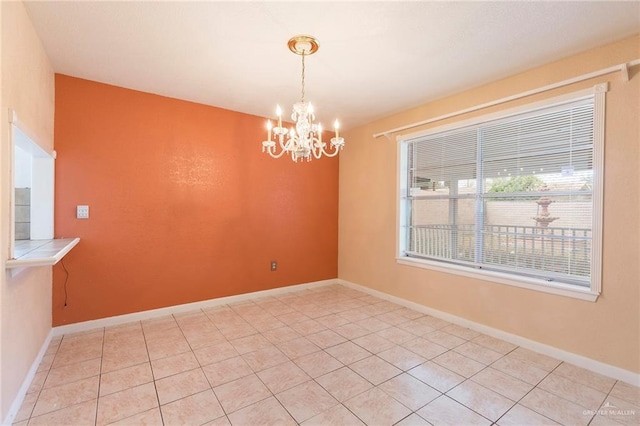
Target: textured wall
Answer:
[[184, 206]]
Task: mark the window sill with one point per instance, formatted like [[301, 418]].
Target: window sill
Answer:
[[41, 252], [501, 278]]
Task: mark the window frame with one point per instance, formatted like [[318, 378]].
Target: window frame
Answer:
[[590, 293]]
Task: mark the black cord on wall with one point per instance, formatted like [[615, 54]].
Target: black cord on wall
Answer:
[[66, 278]]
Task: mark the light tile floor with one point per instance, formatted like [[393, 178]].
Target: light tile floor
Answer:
[[325, 356]]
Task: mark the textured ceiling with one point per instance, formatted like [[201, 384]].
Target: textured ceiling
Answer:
[[375, 58]]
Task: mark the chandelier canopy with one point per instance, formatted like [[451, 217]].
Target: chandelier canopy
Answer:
[[305, 140]]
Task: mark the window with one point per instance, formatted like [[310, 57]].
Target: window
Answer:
[[33, 184], [514, 198]]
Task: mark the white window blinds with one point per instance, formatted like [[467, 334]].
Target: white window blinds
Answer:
[[512, 195]]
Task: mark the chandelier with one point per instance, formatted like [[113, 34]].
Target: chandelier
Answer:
[[303, 141]]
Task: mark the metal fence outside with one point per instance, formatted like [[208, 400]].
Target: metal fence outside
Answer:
[[565, 251]]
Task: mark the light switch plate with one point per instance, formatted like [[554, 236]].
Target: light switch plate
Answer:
[[82, 212]]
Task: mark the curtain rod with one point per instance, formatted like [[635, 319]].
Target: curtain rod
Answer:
[[623, 68]]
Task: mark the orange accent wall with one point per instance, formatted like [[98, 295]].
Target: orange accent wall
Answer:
[[184, 206]]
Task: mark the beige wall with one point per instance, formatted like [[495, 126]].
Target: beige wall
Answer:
[[606, 330], [27, 86]]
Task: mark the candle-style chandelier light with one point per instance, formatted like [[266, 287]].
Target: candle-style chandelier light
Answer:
[[305, 140]]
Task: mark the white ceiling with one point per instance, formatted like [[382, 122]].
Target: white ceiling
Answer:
[[375, 58]]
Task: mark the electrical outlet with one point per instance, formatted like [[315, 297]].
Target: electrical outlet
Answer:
[[82, 212], [274, 265]]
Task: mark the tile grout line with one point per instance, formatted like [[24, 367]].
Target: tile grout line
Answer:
[[270, 391], [225, 415], [155, 387], [466, 379], [603, 402], [43, 387], [100, 375], [341, 403], [374, 386], [531, 390], [255, 373], [28, 419]]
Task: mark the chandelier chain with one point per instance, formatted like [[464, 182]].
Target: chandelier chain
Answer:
[[303, 55]]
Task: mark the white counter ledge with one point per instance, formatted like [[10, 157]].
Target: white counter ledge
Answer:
[[40, 252]]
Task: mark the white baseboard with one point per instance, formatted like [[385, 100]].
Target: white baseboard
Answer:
[[26, 383], [155, 313], [579, 360]]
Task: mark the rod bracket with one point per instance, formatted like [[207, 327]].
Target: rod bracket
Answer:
[[624, 69]]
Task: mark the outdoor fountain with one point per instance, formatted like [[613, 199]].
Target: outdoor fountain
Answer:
[[544, 218]]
